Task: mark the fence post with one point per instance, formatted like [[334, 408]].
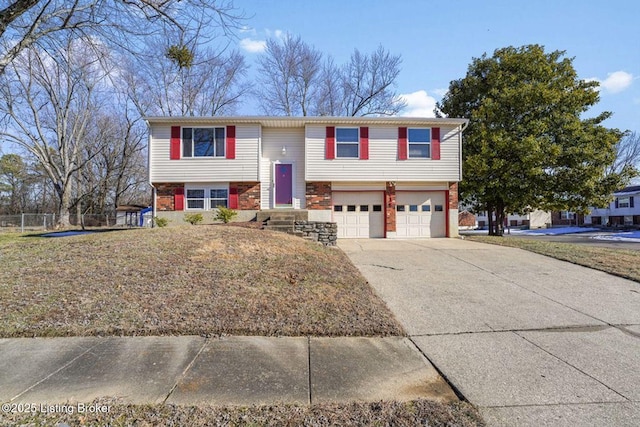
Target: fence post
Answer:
[[44, 222], [22, 223]]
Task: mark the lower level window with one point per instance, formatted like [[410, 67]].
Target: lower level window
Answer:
[[219, 198], [195, 199], [207, 198]]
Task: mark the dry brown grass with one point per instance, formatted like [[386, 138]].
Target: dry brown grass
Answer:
[[619, 262], [409, 414], [204, 280]]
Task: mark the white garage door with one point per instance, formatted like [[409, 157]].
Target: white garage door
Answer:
[[358, 215], [420, 214]]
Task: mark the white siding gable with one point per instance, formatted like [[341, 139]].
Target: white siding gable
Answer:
[[273, 139], [204, 169], [382, 164]]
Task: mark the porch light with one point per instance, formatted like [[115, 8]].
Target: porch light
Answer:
[[284, 150]]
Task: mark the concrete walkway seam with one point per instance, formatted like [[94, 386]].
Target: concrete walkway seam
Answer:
[[184, 372]]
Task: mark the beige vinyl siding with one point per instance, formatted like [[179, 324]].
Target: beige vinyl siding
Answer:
[[273, 139], [382, 164], [204, 169]]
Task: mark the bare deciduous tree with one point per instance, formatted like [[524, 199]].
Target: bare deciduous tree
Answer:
[[296, 81], [25, 23], [289, 76], [627, 153], [180, 75], [50, 100]]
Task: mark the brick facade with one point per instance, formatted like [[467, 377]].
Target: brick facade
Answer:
[[318, 195], [390, 204], [453, 195], [556, 219], [248, 195], [165, 196]]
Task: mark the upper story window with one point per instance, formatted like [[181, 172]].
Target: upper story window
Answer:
[[419, 140], [347, 143], [203, 142], [623, 202]]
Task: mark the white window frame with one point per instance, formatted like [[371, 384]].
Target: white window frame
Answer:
[[409, 144], [207, 195], [357, 156], [624, 202], [215, 155], [567, 215]]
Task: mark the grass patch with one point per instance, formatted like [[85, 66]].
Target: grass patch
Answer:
[[204, 280], [619, 262], [419, 412]]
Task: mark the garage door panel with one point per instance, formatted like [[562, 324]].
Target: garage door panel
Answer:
[[420, 217], [358, 215]]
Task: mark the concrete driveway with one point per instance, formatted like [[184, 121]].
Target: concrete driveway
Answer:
[[530, 340]]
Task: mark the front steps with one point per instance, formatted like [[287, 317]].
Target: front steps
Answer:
[[282, 220]]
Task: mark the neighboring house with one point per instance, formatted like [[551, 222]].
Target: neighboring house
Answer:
[[374, 177], [624, 209], [467, 220], [534, 219], [564, 218]]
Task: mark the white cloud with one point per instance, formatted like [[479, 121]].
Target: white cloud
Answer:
[[441, 92], [248, 29], [253, 46], [274, 33], [419, 104], [615, 82]]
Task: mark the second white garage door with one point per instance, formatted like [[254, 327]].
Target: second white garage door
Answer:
[[420, 214], [358, 215]]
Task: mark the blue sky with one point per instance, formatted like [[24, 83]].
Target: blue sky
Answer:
[[438, 39]]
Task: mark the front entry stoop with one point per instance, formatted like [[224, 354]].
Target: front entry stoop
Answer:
[[283, 221]]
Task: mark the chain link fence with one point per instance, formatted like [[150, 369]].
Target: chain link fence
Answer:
[[42, 222]]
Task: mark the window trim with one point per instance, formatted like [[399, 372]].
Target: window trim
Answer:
[[207, 195], [215, 154], [409, 143], [627, 202], [338, 143]]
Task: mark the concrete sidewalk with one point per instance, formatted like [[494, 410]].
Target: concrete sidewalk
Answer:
[[531, 340], [194, 370]]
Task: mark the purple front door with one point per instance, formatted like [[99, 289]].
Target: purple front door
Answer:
[[284, 184]]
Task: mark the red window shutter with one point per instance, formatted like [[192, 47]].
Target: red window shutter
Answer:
[[402, 143], [231, 142], [435, 143], [233, 197], [178, 199], [364, 143], [330, 143], [174, 147]]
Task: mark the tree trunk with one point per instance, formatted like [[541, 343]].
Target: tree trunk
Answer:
[[63, 206]]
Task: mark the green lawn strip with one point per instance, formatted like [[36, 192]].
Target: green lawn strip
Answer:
[[414, 413], [189, 280], [619, 262]]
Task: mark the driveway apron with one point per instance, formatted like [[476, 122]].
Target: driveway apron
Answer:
[[530, 340]]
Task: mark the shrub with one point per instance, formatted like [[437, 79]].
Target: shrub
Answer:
[[225, 214], [161, 222], [193, 219]]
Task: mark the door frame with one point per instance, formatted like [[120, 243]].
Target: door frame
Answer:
[[293, 183]]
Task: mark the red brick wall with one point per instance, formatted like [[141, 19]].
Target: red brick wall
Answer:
[[466, 219], [390, 203], [164, 196], [318, 195], [453, 195], [248, 195]]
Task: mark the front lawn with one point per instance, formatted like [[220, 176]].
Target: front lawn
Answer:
[[202, 280], [415, 413], [619, 262]]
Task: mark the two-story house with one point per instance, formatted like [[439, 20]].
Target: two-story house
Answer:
[[623, 210], [374, 177]]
